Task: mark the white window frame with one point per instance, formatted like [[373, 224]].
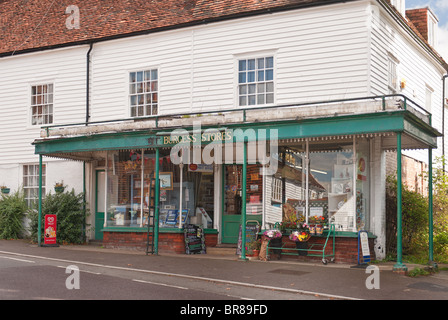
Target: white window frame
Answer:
[[42, 97], [31, 182], [143, 93], [428, 97], [392, 73], [252, 84], [277, 190]]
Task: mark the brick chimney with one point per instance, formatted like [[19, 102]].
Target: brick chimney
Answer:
[[425, 22]]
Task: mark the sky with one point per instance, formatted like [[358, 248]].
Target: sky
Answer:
[[440, 9]]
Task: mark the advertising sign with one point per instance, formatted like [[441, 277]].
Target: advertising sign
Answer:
[[50, 229]]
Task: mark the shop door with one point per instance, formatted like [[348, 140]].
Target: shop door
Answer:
[[99, 203], [231, 218]]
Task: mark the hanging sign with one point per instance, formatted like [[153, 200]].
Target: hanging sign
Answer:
[[363, 244], [50, 229]]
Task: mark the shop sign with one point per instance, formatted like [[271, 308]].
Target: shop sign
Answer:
[[200, 167], [50, 229], [214, 136], [363, 244]]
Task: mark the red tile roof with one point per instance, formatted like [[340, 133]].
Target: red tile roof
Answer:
[[31, 24]]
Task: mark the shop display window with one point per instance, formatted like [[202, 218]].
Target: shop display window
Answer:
[[130, 195]]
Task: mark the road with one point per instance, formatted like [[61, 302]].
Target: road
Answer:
[[28, 272]]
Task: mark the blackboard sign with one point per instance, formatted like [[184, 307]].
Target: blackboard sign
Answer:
[[194, 239], [251, 235]]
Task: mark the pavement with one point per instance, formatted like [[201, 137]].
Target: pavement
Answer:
[[313, 279]]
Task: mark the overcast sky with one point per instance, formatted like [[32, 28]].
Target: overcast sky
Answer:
[[440, 9]]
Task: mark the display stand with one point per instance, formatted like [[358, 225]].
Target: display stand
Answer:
[[312, 250]]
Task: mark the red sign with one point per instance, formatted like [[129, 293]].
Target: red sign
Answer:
[[50, 229]]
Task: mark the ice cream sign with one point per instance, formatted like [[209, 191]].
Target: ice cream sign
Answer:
[[50, 229]]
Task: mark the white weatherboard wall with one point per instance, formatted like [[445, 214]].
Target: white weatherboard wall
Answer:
[[415, 67], [65, 68], [320, 53]]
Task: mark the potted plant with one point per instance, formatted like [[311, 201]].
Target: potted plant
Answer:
[[254, 247], [4, 189], [59, 187]]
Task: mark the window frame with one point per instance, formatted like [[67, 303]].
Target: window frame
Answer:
[[151, 104], [47, 103], [392, 77], [256, 84], [25, 177]]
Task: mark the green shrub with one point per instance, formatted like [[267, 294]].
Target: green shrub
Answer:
[[70, 213], [12, 212]]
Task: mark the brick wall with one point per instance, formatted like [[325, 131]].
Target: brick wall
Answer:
[[168, 242], [346, 250]]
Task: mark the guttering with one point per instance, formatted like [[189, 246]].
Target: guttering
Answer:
[[88, 83]]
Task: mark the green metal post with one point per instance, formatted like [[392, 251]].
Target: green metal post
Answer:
[[39, 221], [243, 205], [156, 204], [399, 266], [430, 208]]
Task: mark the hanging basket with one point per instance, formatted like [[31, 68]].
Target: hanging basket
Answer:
[[5, 190], [59, 189]]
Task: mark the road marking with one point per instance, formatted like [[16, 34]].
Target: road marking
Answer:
[[160, 284], [22, 260], [86, 271], [242, 284]]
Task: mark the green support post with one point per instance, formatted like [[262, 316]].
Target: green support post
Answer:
[[243, 204], [156, 204], [39, 221], [430, 213], [399, 266]]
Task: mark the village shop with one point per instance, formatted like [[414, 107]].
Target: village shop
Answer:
[[272, 166]]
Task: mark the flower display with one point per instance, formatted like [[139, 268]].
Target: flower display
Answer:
[[299, 236], [272, 234], [317, 220]]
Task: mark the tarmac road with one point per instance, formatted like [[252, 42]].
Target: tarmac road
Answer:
[[31, 272]]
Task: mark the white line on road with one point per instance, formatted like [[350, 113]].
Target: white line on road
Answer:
[[160, 284], [243, 284], [22, 260]]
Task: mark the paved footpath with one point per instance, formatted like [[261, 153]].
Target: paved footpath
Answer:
[[333, 281]]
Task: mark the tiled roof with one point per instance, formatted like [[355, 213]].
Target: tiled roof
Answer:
[[31, 24]]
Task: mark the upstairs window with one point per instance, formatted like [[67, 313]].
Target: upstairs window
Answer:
[[256, 81], [143, 93], [392, 80], [42, 104]]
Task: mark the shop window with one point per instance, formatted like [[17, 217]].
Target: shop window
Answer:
[[42, 104], [131, 190], [143, 93], [31, 183], [256, 81]]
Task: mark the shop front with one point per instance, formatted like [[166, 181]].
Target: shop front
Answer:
[[223, 170]]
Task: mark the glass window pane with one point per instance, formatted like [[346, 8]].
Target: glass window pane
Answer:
[[251, 76], [132, 77], [242, 65], [243, 89], [252, 88], [242, 77], [260, 63], [269, 62], [154, 108], [260, 87], [260, 99], [252, 100], [251, 64], [269, 98], [154, 74], [260, 76], [269, 87], [243, 100], [140, 76], [269, 74]]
